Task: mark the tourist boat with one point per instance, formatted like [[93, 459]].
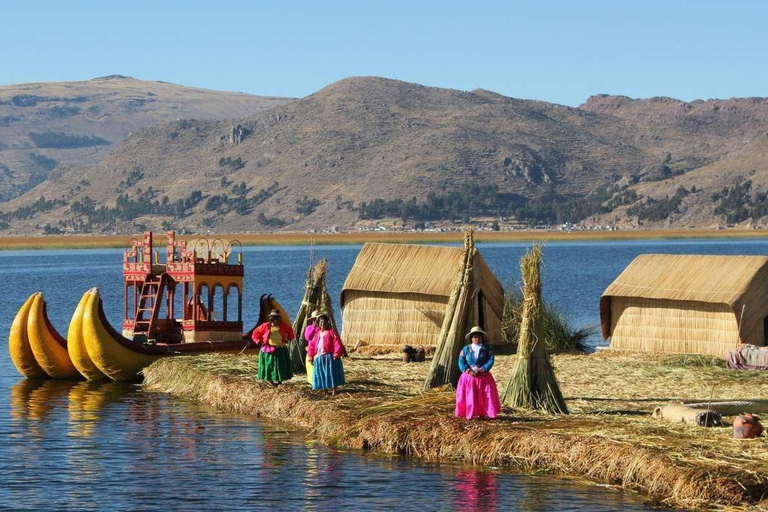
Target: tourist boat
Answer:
[[177, 307]]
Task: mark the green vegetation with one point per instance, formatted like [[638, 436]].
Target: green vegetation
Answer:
[[42, 205], [559, 335], [736, 204], [44, 161], [233, 165], [135, 176], [307, 206], [656, 210], [270, 222], [7, 120], [240, 202], [61, 111], [467, 201], [127, 208], [63, 141]]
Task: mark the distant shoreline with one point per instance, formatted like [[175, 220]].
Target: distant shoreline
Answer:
[[271, 239]]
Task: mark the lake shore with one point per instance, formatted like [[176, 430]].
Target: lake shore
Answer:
[[271, 239], [610, 437]]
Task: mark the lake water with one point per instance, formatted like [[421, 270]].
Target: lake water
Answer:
[[77, 445]]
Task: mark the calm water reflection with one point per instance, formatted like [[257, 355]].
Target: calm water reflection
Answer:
[[90, 446]]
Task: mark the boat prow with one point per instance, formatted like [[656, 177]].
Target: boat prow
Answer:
[[18, 344], [114, 355], [48, 346], [76, 343]]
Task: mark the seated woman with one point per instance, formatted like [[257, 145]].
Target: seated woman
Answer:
[[476, 393], [274, 358], [324, 351]]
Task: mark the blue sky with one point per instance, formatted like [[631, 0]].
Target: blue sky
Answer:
[[561, 52]]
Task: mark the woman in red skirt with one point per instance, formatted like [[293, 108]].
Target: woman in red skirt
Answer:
[[476, 393]]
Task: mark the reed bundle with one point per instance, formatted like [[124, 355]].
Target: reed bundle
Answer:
[[444, 369], [533, 384]]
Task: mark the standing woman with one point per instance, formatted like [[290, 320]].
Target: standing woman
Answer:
[[476, 393], [324, 351], [309, 331], [274, 358]]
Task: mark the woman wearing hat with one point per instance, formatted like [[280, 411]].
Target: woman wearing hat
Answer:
[[274, 358], [309, 331], [476, 393], [324, 351]]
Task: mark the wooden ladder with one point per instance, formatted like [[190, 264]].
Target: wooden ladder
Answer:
[[150, 300]]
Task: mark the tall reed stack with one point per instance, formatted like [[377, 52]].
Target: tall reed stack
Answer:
[[445, 369], [533, 384], [315, 297]]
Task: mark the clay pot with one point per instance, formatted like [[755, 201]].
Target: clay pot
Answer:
[[747, 427]]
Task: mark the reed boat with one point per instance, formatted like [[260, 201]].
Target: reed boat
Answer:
[[191, 303], [121, 359]]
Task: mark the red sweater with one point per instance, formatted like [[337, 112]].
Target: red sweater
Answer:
[[332, 344], [261, 333]]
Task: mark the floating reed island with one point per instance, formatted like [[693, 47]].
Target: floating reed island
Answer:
[[609, 436]]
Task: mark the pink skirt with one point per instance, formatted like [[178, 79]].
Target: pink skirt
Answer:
[[477, 396]]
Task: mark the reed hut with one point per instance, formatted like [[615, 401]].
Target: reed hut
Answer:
[[398, 294], [687, 304]]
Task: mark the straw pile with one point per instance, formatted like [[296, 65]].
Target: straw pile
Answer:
[[533, 384], [444, 369], [610, 435]]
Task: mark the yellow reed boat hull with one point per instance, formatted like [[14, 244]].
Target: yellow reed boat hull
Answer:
[[76, 344], [106, 348], [18, 344], [122, 359], [49, 348]]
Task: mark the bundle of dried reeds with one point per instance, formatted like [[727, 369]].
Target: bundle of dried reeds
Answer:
[[533, 384], [321, 296], [444, 369], [297, 348], [315, 298]]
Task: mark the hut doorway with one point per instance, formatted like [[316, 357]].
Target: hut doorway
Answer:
[[765, 331]]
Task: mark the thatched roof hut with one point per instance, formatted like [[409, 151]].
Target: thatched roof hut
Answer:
[[687, 304], [398, 294]]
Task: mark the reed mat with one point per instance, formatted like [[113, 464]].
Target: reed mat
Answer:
[[609, 436]]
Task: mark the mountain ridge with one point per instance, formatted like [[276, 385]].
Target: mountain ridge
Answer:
[[324, 159]]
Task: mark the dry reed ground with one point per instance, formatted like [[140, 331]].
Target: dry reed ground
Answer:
[[610, 435]]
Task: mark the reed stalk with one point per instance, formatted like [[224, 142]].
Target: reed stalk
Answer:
[[533, 384]]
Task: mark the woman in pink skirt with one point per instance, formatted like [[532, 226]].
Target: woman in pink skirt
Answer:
[[476, 393]]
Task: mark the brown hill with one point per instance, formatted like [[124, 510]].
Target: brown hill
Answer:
[[315, 161], [44, 124]]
